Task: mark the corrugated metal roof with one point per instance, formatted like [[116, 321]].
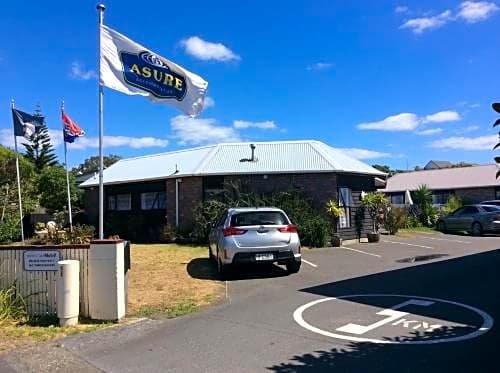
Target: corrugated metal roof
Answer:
[[271, 157], [447, 178]]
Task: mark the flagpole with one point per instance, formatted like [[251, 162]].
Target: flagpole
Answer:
[[70, 215], [18, 181], [100, 9]]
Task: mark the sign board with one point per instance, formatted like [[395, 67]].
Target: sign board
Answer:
[[41, 260]]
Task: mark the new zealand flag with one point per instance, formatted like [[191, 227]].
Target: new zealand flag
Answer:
[[71, 130]]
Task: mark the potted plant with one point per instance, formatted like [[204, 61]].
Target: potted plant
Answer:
[[376, 204], [334, 212]]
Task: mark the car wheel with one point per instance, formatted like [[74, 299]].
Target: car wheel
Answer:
[[210, 254], [222, 269], [476, 229], [442, 227], [293, 266]]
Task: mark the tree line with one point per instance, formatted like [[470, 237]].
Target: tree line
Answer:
[[43, 182]]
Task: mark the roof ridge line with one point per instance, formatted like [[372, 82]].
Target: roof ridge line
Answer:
[[207, 159], [168, 152], [313, 145]]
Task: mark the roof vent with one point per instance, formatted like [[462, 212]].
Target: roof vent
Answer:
[[253, 158]]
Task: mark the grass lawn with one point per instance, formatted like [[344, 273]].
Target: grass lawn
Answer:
[[411, 231], [165, 280]]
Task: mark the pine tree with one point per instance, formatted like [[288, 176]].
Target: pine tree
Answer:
[[41, 152]]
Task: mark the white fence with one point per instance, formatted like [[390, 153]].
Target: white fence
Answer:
[[38, 288]]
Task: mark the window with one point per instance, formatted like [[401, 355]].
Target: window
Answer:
[[213, 187], [345, 202], [119, 202], [397, 199], [153, 201], [441, 197], [497, 193], [258, 218]]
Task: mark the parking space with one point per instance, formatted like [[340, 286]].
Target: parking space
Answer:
[[349, 309]]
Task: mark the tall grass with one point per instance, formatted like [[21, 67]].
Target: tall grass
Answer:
[[12, 305]]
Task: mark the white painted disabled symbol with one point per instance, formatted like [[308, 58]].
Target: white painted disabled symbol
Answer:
[[397, 317]]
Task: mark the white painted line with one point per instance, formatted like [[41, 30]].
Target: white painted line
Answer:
[[408, 244], [360, 251], [484, 328], [446, 239], [308, 262]]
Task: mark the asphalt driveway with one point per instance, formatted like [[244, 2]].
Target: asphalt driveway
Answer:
[[429, 302]]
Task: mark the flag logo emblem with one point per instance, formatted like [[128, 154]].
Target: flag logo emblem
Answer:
[[147, 71]]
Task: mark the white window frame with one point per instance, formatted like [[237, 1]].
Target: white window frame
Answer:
[[346, 203]]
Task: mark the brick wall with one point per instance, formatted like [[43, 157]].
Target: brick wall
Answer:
[[92, 204], [320, 187], [190, 194], [475, 195]]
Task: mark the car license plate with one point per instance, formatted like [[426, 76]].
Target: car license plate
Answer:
[[264, 256]]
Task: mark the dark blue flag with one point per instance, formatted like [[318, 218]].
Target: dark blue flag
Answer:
[[25, 124]]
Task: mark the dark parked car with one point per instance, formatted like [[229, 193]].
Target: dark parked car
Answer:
[[475, 219], [495, 202]]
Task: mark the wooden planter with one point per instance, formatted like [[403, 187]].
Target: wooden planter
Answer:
[[373, 237]]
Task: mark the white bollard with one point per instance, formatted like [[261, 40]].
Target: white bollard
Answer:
[[68, 292]]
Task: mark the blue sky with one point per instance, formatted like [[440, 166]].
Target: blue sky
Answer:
[[394, 82]]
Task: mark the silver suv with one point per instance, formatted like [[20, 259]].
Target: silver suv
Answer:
[[254, 235]]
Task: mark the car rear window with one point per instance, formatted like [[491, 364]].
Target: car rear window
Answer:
[[258, 218], [491, 208]]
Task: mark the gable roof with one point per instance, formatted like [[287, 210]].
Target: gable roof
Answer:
[[447, 178], [223, 159], [432, 164]]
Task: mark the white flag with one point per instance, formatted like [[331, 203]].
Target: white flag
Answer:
[[128, 67]]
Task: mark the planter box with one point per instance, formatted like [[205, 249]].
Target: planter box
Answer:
[[373, 237]]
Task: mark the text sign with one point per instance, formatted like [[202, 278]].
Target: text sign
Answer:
[[41, 260]]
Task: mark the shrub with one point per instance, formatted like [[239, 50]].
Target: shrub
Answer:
[[12, 305], [395, 219], [452, 204], [205, 213], [412, 222], [376, 203], [10, 229], [314, 232], [81, 234]]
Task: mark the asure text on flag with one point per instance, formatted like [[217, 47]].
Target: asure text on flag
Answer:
[[130, 68]]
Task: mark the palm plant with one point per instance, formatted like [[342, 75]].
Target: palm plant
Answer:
[[376, 204]]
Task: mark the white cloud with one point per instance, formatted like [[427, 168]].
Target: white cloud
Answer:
[[401, 9], [466, 143], [467, 129], [266, 125], [205, 50], [468, 11], [86, 142], [476, 11], [78, 72], [419, 25], [320, 66], [398, 122], [363, 153], [410, 121], [209, 102], [196, 131], [430, 131], [442, 116]]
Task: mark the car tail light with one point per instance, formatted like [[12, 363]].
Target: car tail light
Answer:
[[290, 228], [233, 231]]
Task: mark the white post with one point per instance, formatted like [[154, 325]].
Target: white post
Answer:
[[177, 181], [100, 9], [18, 179], [67, 175]]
